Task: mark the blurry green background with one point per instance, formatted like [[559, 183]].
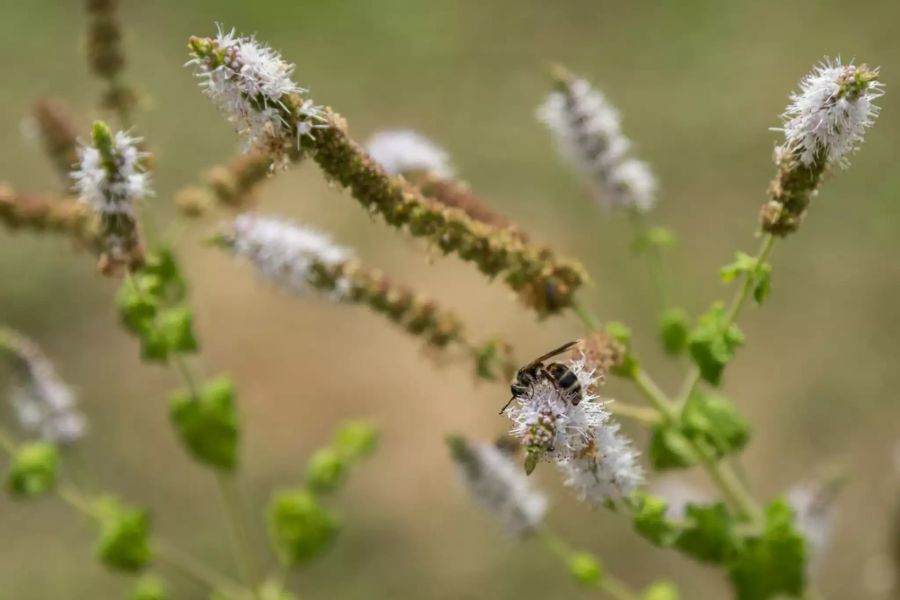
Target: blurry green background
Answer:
[[699, 84]]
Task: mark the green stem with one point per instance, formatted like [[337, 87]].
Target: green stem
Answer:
[[612, 586], [189, 568], [734, 310], [589, 320], [233, 506], [654, 259], [642, 414]]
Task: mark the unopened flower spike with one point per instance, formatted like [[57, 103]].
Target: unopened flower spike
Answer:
[[251, 84], [497, 486], [244, 79], [823, 125], [106, 58], [44, 403], [302, 259], [589, 136], [111, 179], [53, 125], [41, 213], [231, 185]]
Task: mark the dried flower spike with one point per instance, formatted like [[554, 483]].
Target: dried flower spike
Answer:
[[251, 84], [300, 259], [22, 210], [45, 405], [497, 486], [824, 123], [243, 78], [588, 133], [110, 178]]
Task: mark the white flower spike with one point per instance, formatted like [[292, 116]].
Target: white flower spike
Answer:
[[828, 117], [498, 487], [403, 151], [589, 135]]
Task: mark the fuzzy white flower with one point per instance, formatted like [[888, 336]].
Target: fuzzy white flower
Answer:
[[285, 253], [44, 404], [249, 82], [498, 486], [831, 112], [403, 151], [547, 421], [589, 135], [606, 469], [112, 186]]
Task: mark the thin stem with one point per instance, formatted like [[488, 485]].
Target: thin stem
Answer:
[[642, 414], [231, 501], [734, 310], [654, 259], [612, 586], [196, 571], [589, 320]]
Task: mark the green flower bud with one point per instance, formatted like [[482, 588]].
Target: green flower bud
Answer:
[[585, 568], [356, 439], [300, 529], [208, 424], [124, 542], [326, 470], [149, 587], [33, 470]]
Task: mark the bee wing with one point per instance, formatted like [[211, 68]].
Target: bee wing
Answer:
[[550, 354]]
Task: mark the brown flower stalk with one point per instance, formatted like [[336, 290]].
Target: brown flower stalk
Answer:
[[230, 185], [40, 213]]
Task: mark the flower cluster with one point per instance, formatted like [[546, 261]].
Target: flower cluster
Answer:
[[497, 486], [299, 258], [111, 178], [824, 123], [251, 84], [406, 152], [828, 117], [596, 460], [588, 133], [45, 405]]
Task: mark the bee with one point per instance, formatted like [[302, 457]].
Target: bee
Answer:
[[561, 376]]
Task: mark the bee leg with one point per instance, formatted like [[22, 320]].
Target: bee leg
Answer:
[[505, 406]]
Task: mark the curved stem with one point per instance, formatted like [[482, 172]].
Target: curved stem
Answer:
[[642, 414], [612, 586], [234, 512], [734, 310], [588, 319]]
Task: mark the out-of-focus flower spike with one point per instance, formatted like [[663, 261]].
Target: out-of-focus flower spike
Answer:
[[103, 46], [45, 405], [230, 185], [111, 179], [497, 486], [39, 213], [813, 504], [54, 127], [588, 134], [302, 259], [824, 123]]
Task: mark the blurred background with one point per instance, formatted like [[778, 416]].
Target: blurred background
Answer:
[[699, 83]]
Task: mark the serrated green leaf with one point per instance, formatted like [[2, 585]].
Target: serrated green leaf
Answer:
[[124, 542], [772, 564], [208, 424], [670, 449], [713, 342], [715, 420], [650, 520], [33, 470], [176, 327], [300, 529], [674, 326], [709, 533]]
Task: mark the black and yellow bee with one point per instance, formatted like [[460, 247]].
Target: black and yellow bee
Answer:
[[558, 374]]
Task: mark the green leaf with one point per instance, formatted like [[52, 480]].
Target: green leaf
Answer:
[[673, 330], [621, 333], [670, 449], [772, 564], [585, 568], [162, 264], [135, 310], [714, 420], [748, 266], [176, 327], [661, 590], [356, 439], [326, 470], [300, 529], [208, 425], [33, 470], [659, 238], [709, 533], [149, 587], [124, 542], [763, 284], [712, 343], [651, 522]]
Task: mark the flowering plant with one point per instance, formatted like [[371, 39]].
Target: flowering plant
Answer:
[[557, 415]]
